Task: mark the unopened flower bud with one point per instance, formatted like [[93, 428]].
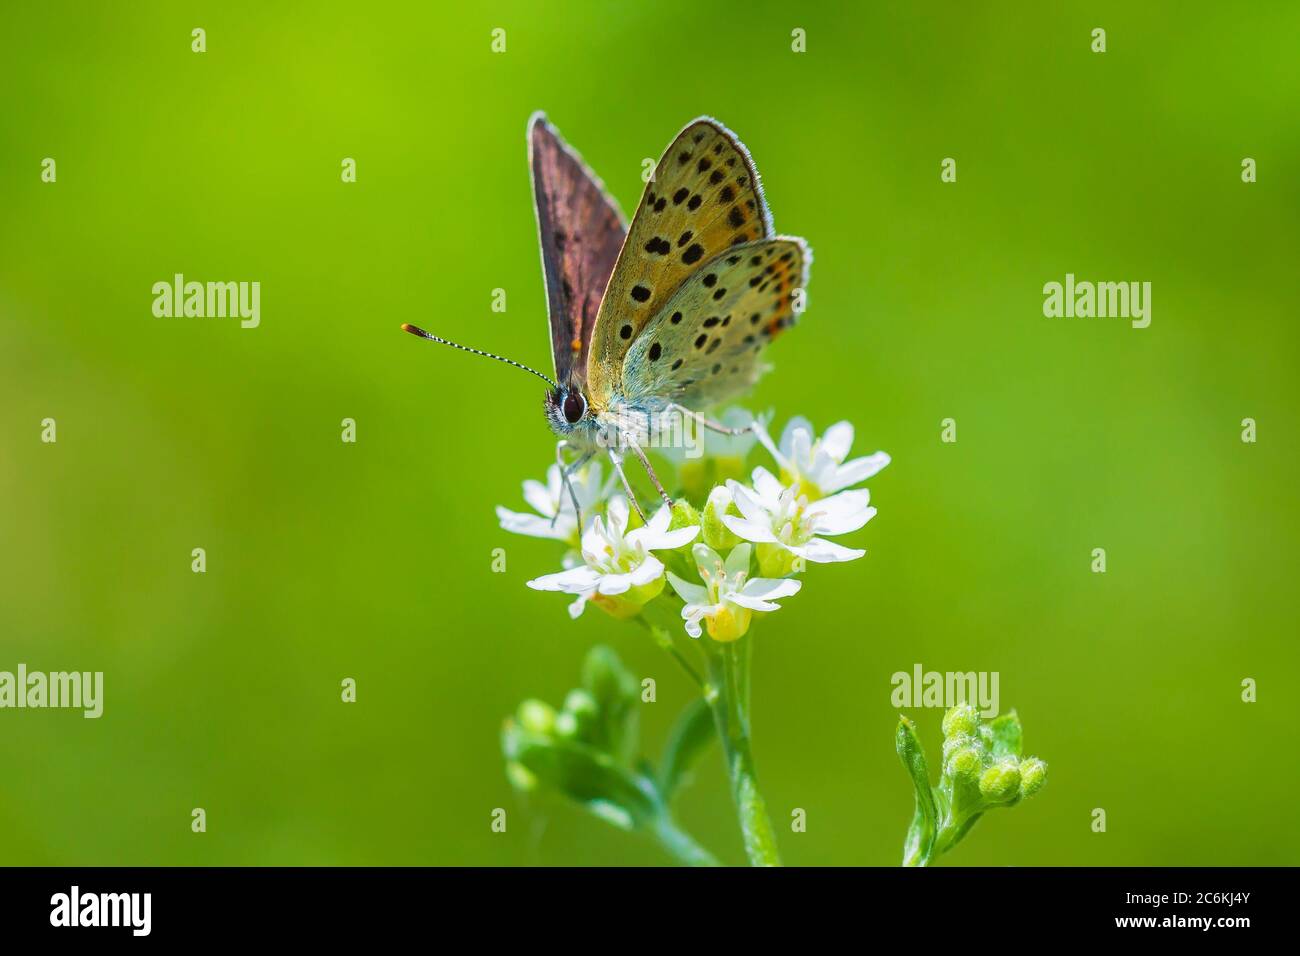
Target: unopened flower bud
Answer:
[[1033, 774], [579, 715], [581, 704], [964, 762], [520, 777], [537, 717], [961, 720], [959, 742], [716, 534], [683, 516], [1001, 782]]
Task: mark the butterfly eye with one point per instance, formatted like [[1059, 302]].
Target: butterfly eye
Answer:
[[575, 406]]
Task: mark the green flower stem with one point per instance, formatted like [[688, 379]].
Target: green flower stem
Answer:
[[663, 638], [727, 692], [681, 845]]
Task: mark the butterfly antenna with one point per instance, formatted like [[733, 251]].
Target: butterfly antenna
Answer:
[[416, 330]]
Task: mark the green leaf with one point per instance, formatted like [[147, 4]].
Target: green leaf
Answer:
[[691, 735], [1004, 735], [584, 775], [920, 835]]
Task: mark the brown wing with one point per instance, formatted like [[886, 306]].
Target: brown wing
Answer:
[[705, 197], [580, 229]]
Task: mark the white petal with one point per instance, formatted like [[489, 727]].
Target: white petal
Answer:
[[706, 559], [691, 615], [771, 589], [688, 592], [760, 429], [754, 604], [539, 498], [535, 526], [578, 606], [649, 570], [594, 541], [738, 560], [749, 530], [614, 584], [737, 417], [766, 484], [664, 541], [838, 440], [796, 424], [858, 470], [616, 513], [659, 521], [750, 505], [574, 581], [822, 551], [801, 447], [589, 491], [842, 513]]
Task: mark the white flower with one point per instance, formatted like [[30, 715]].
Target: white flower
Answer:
[[782, 518], [718, 445], [682, 440], [818, 464], [554, 516], [618, 568], [727, 600]]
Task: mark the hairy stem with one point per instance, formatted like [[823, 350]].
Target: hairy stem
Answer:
[[727, 692], [662, 637]]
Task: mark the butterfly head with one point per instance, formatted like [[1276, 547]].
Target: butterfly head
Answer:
[[566, 407]]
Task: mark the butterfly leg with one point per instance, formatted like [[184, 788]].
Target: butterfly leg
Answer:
[[653, 477], [617, 459], [566, 471], [709, 423]]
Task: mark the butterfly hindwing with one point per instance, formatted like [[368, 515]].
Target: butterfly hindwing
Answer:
[[581, 230], [705, 197], [705, 344]]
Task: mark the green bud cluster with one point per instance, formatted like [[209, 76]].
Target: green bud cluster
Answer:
[[586, 751], [982, 769], [599, 715]]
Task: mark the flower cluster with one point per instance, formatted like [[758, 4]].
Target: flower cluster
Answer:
[[728, 549]]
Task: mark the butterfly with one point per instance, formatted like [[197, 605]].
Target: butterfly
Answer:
[[654, 321]]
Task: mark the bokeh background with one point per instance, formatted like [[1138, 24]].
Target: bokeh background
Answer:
[[372, 560]]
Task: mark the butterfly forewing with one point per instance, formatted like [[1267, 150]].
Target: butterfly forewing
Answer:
[[705, 344], [581, 230], [704, 198]]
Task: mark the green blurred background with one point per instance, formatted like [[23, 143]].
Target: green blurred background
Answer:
[[329, 560]]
